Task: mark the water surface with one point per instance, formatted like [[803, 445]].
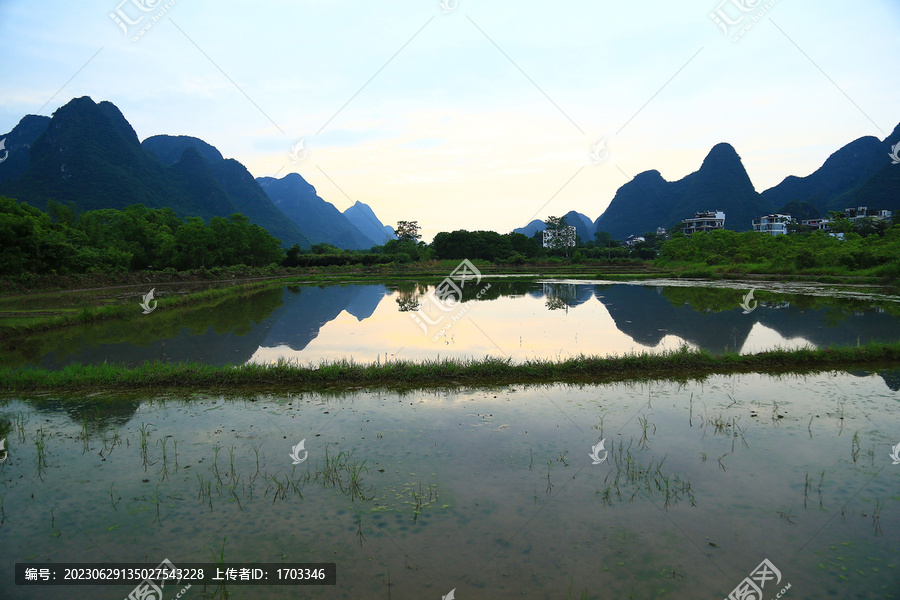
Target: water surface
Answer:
[[488, 491], [520, 321]]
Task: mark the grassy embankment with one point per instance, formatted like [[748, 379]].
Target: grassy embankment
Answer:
[[29, 283], [23, 321], [677, 364]]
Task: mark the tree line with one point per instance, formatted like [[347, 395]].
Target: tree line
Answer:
[[132, 239], [137, 238]]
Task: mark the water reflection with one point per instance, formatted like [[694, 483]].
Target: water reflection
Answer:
[[520, 320], [699, 474]]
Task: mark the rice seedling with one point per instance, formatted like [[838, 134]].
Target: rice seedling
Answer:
[[255, 450], [821, 481], [20, 419], [360, 538], [85, 434], [109, 442], [145, 439], [344, 472], [641, 478], [219, 561], [584, 593], [112, 498], [156, 501], [549, 483], [876, 517], [216, 449], [165, 466], [56, 532], [855, 446], [40, 443], [644, 442]]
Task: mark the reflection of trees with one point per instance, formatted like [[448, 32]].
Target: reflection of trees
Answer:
[[408, 302], [559, 295], [707, 300], [226, 314], [114, 412], [713, 300], [556, 304], [408, 295]]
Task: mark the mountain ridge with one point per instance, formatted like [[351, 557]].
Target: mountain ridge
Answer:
[[857, 174]]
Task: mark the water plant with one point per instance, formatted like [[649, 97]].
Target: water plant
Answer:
[[255, 450], [360, 538], [145, 439], [85, 434], [644, 442], [165, 466], [20, 419], [112, 499], [40, 443], [630, 473]]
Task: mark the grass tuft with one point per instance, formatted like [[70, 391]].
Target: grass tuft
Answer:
[[682, 363]]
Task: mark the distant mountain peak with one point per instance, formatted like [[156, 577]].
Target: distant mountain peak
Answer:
[[169, 149], [88, 154], [320, 220]]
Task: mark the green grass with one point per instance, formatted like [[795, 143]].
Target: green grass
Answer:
[[677, 364], [879, 275]]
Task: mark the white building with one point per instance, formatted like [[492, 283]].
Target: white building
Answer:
[[819, 224], [775, 224], [704, 221], [863, 212]]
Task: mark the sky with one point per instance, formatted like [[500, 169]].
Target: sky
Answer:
[[466, 114]]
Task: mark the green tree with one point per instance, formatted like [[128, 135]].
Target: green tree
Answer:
[[408, 231]]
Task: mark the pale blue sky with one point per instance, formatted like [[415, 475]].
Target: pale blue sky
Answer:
[[482, 117]]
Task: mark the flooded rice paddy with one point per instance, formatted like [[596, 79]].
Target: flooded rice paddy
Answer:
[[493, 493], [519, 320]]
